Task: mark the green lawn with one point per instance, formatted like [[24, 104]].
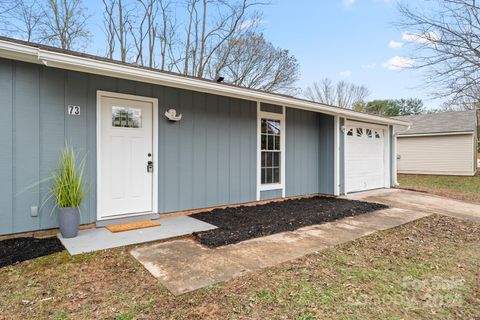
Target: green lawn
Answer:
[[426, 269], [462, 188]]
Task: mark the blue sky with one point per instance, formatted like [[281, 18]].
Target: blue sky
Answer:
[[352, 40]]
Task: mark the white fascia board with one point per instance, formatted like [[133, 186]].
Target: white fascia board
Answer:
[[89, 65], [14, 51], [435, 134]]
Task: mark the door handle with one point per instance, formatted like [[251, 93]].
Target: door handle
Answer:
[[150, 166]]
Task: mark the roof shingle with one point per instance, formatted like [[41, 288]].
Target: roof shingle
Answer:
[[444, 122]]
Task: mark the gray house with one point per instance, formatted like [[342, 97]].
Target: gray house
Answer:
[[157, 142]]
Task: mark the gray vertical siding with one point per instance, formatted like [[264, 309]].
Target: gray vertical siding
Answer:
[[302, 156], [6, 147], [327, 156], [270, 194], [52, 135], [309, 153], [206, 159], [26, 155]]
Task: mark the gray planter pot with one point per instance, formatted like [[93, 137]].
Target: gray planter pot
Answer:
[[69, 221]]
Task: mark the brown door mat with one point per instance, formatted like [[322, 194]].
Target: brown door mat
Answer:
[[119, 227]]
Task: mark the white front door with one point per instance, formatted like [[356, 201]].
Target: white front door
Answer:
[[126, 149], [365, 157]]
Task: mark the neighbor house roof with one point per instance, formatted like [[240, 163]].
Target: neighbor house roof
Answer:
[[76, 61], [443, 122]]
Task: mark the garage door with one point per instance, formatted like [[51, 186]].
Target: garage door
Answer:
[[365, 157]]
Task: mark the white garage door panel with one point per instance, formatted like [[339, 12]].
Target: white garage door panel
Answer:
[[449, 154], [365, 157]]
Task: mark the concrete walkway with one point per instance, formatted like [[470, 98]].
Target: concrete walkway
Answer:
[[398, 198], [184, 265]]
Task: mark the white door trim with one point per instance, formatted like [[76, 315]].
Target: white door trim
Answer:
[[154, 101], [344, 156], [336, 155]]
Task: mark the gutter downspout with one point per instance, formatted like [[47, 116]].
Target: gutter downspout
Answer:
[[395, 159], [39, 58]]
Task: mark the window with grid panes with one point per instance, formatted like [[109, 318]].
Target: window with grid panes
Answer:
[[270, 151]]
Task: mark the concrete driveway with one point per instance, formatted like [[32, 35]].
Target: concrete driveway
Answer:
[[420, 201], [185, 265]]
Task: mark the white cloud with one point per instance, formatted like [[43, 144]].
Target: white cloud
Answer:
[[345, 74], [398, 63], [420, 38], [349, 3], [369, 66], [395, 44], [249, 23]]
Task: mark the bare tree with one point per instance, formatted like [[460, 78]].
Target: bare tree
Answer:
[[191, 7], [64, 24], [446, 35], [21, 18], [203, 39], [138, 34], [165, 33], [213, 37], [151, 9], [128, 25], [207, 26], [29, 17], [210, 38], [218, 22], [342, 94], [7, 6], [253, 62], [61, 23], [109, 26], [461, 103], [118, 23], [122, 25]]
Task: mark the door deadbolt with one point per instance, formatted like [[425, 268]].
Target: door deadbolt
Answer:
[[149, 166]]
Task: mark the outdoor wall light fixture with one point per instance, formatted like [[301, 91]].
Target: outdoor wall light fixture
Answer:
[[171, 115]]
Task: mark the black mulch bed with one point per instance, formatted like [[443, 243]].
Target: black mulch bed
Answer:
[[247, 222], [21, 249]]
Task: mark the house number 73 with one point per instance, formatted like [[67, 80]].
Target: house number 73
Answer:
[[73, 110]]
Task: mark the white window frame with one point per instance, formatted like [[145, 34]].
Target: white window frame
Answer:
[[273, 116]]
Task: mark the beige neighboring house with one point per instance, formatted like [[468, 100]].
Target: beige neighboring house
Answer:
[[439, 144]]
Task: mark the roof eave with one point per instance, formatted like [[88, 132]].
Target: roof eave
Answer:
[[16, 51], [442, 133]]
